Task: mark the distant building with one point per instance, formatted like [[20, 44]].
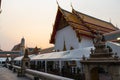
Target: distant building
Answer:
[[20, 47], [35, 50], [16, 47], [47, 50], [15, 52], [11, 53]]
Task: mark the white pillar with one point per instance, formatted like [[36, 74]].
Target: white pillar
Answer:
[[35, 64], [60, 66], [45, 65]]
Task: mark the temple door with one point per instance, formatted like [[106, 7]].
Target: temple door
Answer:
[[94, 74]]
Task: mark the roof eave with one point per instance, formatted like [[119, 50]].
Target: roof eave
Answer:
[[58, 15]]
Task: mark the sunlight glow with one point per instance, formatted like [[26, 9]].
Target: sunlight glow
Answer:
[[34, 19], [118, 38]]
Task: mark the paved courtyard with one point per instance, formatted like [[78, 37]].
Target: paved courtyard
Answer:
[[6, 74]]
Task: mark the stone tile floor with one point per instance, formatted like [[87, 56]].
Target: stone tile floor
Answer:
[[6, 74]]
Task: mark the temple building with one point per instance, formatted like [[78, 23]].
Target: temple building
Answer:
[[16, 51], [20, 47], [73, 30], [47, 50], [74, 35], [74, 41]]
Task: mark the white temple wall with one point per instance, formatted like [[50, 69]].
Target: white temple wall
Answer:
[[85, 42], [68, 37]]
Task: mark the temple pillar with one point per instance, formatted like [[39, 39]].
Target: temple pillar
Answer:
[[25, 64], [45, 65], [60, 66]]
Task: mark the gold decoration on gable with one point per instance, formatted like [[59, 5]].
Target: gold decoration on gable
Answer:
[[62, 23]]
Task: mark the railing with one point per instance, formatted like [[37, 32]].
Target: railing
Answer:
[[40, 75], [45, 76], [16, 67]]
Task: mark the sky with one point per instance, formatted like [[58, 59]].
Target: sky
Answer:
[[34, 19]]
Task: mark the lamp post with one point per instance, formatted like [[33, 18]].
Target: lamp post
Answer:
[[7, 59]]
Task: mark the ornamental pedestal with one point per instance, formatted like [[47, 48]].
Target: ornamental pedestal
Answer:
[[102, 64], [25, 64]]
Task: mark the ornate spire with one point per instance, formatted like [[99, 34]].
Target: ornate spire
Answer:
[[57, 3], [23, 42], [72, 6], [110, 20]]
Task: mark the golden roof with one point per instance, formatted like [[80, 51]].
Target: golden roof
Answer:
[[81, 23], [94, 23]]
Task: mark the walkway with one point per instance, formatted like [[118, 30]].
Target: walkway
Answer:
[[6, 74]]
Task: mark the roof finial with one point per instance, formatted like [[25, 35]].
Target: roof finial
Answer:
[[110, 20], [57, 2], [116, 25], [72, 6]]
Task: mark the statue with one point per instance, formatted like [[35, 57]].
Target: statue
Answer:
[[92, 51], [83, 57], [98, 38], [116, 56]]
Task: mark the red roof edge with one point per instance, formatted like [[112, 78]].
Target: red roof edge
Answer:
[[58, 16]]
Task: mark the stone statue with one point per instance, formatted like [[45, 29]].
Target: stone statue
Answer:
[[98, 38], [83, 57], [92, 51], [116, 56]]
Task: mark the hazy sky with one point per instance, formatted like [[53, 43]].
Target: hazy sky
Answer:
[[33, 19]]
